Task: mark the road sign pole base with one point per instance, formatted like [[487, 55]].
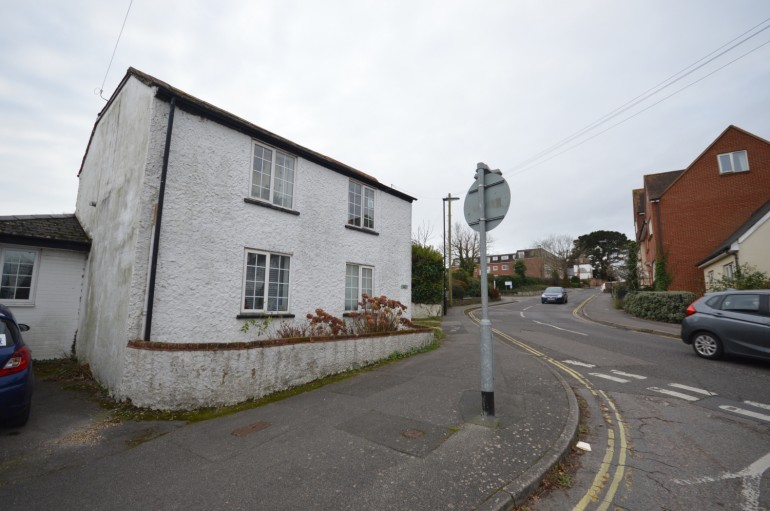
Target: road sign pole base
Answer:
[[487, 404]]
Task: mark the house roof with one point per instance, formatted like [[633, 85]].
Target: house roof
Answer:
[[725, 246], [184, 101], [638, 195], [729, 128], [656, 184], [54, 231]]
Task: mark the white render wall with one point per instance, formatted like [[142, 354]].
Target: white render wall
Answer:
[[53, 318], [113, 177], [207, 226], [187, 379]]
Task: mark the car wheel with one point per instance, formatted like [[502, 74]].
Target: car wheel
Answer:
[[20, 418], [707, 345]]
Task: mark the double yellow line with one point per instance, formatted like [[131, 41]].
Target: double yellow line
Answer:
[[616, 428]]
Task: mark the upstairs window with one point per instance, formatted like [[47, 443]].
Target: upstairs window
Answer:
[[737, 161], [19, 268], [272, 176], [360, 205]]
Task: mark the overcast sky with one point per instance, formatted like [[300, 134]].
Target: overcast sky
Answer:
[[412, 92]]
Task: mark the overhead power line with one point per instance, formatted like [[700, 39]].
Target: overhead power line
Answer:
[[101, 89], [538, 159]]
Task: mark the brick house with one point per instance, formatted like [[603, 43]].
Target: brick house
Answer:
[[499, 265], [686, 214]]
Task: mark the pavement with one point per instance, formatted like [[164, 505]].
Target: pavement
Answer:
[[407, 436]]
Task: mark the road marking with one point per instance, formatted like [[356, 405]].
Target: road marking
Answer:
[[751, 481], [628, 375], [558, 328], [747, 413], [673, 393], [527, 308], [522, 313], [576, 363], [758, 405], [692, 389], [608, 377], [602, 476]]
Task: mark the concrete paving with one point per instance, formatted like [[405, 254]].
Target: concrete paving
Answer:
[[406, 436]]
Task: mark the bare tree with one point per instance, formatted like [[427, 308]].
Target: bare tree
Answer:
[[558, 252], [465, 247], [423, 234]]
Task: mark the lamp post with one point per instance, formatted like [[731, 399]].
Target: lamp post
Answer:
[[448, 262]]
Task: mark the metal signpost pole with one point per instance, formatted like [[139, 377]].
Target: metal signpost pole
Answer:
[[487, 355], [449, 199], [484, 213]]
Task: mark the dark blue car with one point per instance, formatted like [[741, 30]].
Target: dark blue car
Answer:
[[16, 377]]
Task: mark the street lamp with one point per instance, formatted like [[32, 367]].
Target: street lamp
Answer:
[[447, 273]]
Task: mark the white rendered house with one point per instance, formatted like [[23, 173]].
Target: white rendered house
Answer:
[[200, 220]]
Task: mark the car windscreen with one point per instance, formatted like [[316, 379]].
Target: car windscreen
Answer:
[[553, 290]]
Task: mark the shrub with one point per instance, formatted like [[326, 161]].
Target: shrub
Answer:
[[427, 274], [378, 315], [658, 305], [458, 292]]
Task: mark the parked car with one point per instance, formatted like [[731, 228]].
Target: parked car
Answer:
[[16, 376], [729, 322], [554, 295]]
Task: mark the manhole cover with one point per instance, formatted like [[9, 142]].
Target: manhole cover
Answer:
[[412, 433], [251, 428]]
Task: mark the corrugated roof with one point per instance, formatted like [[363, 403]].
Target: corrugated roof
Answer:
[[57, 231]]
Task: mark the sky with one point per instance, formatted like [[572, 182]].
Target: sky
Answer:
[[573, 101]]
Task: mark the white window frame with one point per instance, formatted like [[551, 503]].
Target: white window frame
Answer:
[[736, 161], [4, 253], [505, 267], [280, 177], [269, 291], [494, 268], [361, 205], [728, 271], [364, 275]]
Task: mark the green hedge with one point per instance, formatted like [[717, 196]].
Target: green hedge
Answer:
[[668, 306]]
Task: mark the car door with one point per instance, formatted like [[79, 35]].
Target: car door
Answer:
[[745, 323]]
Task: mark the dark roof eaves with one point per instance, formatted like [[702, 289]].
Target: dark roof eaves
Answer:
[[724, 247], [194, 105]]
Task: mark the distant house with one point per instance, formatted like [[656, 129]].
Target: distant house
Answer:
[[43, 260], [536, 262], [686, 214], [201, 221], [748, 245]]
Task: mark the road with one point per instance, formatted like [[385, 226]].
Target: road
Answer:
[[667, 429]]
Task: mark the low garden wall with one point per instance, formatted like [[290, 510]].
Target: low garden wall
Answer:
[[171, 376]]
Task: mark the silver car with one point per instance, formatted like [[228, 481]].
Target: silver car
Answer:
[[729, 322]]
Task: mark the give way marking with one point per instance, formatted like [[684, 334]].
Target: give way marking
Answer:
[[751, 479]]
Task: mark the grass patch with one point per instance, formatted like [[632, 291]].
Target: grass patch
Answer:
[[77, 377]]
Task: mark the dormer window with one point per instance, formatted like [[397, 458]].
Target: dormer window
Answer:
[[737, 161]]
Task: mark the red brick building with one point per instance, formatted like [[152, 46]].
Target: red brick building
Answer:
[[686, 214]]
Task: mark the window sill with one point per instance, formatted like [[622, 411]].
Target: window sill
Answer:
[[260, 315], [249, 200], [360, 229]]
